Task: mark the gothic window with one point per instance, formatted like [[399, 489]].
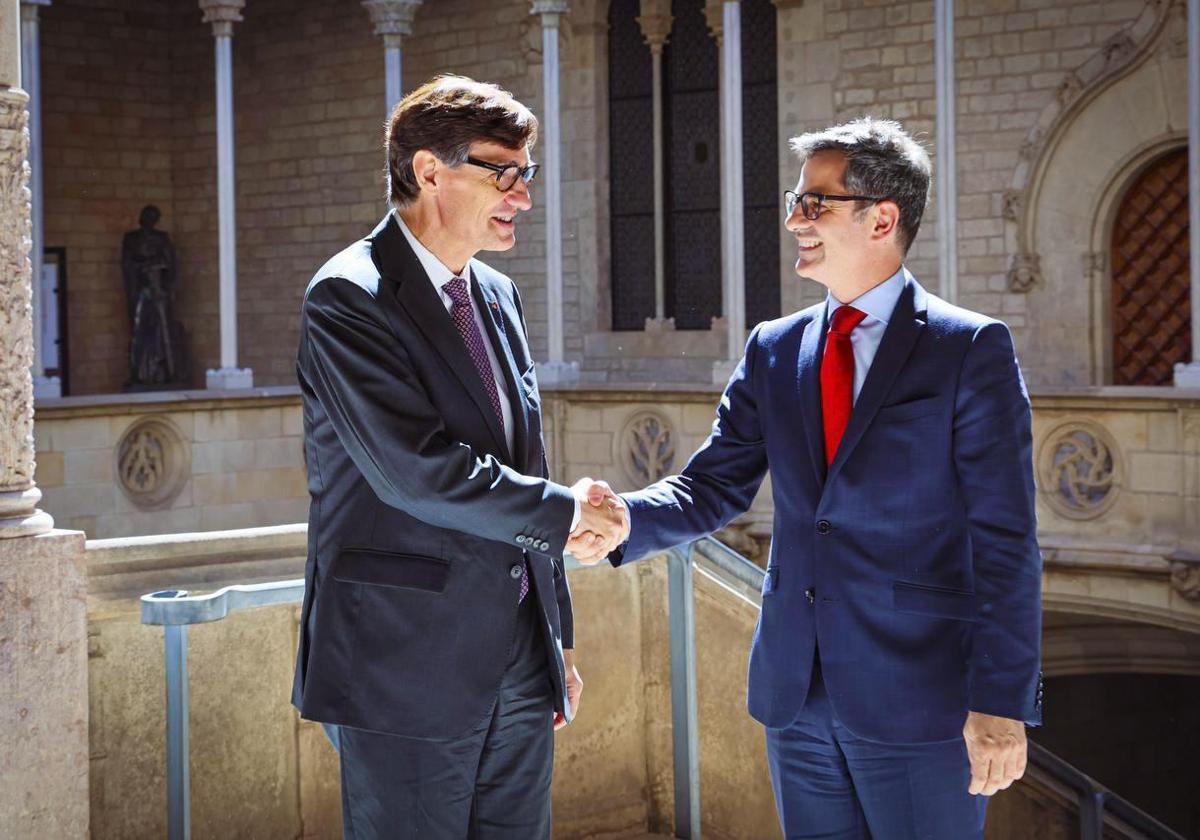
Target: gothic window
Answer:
[[692, 167], [1151, 305]]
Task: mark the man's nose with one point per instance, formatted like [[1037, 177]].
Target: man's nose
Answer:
[[518, 197]]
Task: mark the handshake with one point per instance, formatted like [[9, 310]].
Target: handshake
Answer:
[[603, 522]]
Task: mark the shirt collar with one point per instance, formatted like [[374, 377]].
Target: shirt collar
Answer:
[[439, 275], [878, 302]]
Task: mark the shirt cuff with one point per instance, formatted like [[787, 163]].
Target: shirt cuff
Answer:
[[578, 515]]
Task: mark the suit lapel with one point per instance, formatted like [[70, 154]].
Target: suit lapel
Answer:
[[488, 301], [415, 292], [808, 380], [903, 330]]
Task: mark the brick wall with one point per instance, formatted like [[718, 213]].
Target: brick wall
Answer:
[[107, 115]]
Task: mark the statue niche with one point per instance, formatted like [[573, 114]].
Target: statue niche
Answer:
[[157, 356]]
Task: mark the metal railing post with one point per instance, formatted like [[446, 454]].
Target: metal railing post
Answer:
[[1091, 815], [684, 717], [179, 784]]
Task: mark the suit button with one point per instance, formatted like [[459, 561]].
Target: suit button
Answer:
[[521, 539], [811, 595], [543, 546], [824, 526], [515, 571]]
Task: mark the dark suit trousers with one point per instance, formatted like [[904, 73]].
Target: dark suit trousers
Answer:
[[831, 784], [491, 784]]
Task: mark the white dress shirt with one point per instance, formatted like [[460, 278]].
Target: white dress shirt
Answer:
[[878, 304], [439, 275]]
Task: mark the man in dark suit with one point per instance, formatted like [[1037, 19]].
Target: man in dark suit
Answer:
[[436, 633], [895, 664]]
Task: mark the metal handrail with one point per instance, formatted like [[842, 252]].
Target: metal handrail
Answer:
[[176, 609]]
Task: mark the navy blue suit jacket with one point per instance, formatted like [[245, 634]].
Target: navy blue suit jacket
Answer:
[[420, 515], [913, 560]]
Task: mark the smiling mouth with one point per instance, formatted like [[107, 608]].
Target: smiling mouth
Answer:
[[807, 245], [504, 221]]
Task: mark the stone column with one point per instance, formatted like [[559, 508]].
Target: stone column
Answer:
[[655, 22], [733, 253], [43, 621], [1188, 375], [556, 370], [946, 175], [393, 22], [223, 14], [31, 78]]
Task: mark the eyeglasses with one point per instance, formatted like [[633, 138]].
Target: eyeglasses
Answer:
[[508, 173], [812, 202]]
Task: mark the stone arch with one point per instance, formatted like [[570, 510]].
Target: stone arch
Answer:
[[1107, 121]]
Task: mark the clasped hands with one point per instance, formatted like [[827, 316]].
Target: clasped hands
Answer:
[[603, 522]]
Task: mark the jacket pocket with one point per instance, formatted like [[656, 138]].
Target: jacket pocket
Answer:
[[386, 568], [935, 601], [910, 410]]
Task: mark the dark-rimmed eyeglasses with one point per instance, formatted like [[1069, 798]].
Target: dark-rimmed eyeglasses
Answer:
[[811, 203], [507, 173]]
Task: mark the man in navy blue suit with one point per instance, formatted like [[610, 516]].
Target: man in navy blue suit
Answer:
[[895, 664]]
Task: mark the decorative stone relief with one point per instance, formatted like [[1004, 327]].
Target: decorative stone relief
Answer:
[[1070, 87], [1011, 208], [1185, 578], [1025, 272], [1118, 48], [153, 462], [392, 19], [1080, 469], [647, 448], [16, 326]]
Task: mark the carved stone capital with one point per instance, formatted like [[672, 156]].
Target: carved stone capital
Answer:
[[392, 18], [1025, 273], [222, 14], [656, 29], [550, 10], [29, 9], [714, 15]]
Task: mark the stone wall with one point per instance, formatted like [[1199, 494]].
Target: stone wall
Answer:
[[207, 461], [132, 124]]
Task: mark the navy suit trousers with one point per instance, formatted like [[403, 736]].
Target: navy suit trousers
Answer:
[[491, 784], [833, 785]]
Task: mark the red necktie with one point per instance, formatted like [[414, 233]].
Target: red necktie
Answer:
[[837, 378]]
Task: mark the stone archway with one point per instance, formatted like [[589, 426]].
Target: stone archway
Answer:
[[1112, 116]]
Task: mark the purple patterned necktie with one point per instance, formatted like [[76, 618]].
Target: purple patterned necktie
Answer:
[[464, 318]]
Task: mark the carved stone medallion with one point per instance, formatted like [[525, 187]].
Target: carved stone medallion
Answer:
[[153, 462], [647, 448], [1080, 469]]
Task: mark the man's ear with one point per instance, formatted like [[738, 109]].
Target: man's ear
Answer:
[[887, 219], [426, 170]]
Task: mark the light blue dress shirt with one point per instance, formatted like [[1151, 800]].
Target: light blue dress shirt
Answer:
[[878, 303]]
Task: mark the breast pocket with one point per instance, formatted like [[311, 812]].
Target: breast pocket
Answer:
[[911, 410], [387, 568]]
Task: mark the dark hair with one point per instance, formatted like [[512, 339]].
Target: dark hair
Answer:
[[881, 160], [445, 116]]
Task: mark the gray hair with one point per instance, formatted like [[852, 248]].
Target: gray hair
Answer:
[[881, 160]]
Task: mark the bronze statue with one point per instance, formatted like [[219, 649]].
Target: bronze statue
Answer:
[[148, 267]]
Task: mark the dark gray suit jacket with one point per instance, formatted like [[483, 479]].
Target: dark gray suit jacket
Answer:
[[420, 516]]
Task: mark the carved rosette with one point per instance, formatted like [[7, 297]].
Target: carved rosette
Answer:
[[16, 324], [1080, 469], [153, 463], [647, 448]]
